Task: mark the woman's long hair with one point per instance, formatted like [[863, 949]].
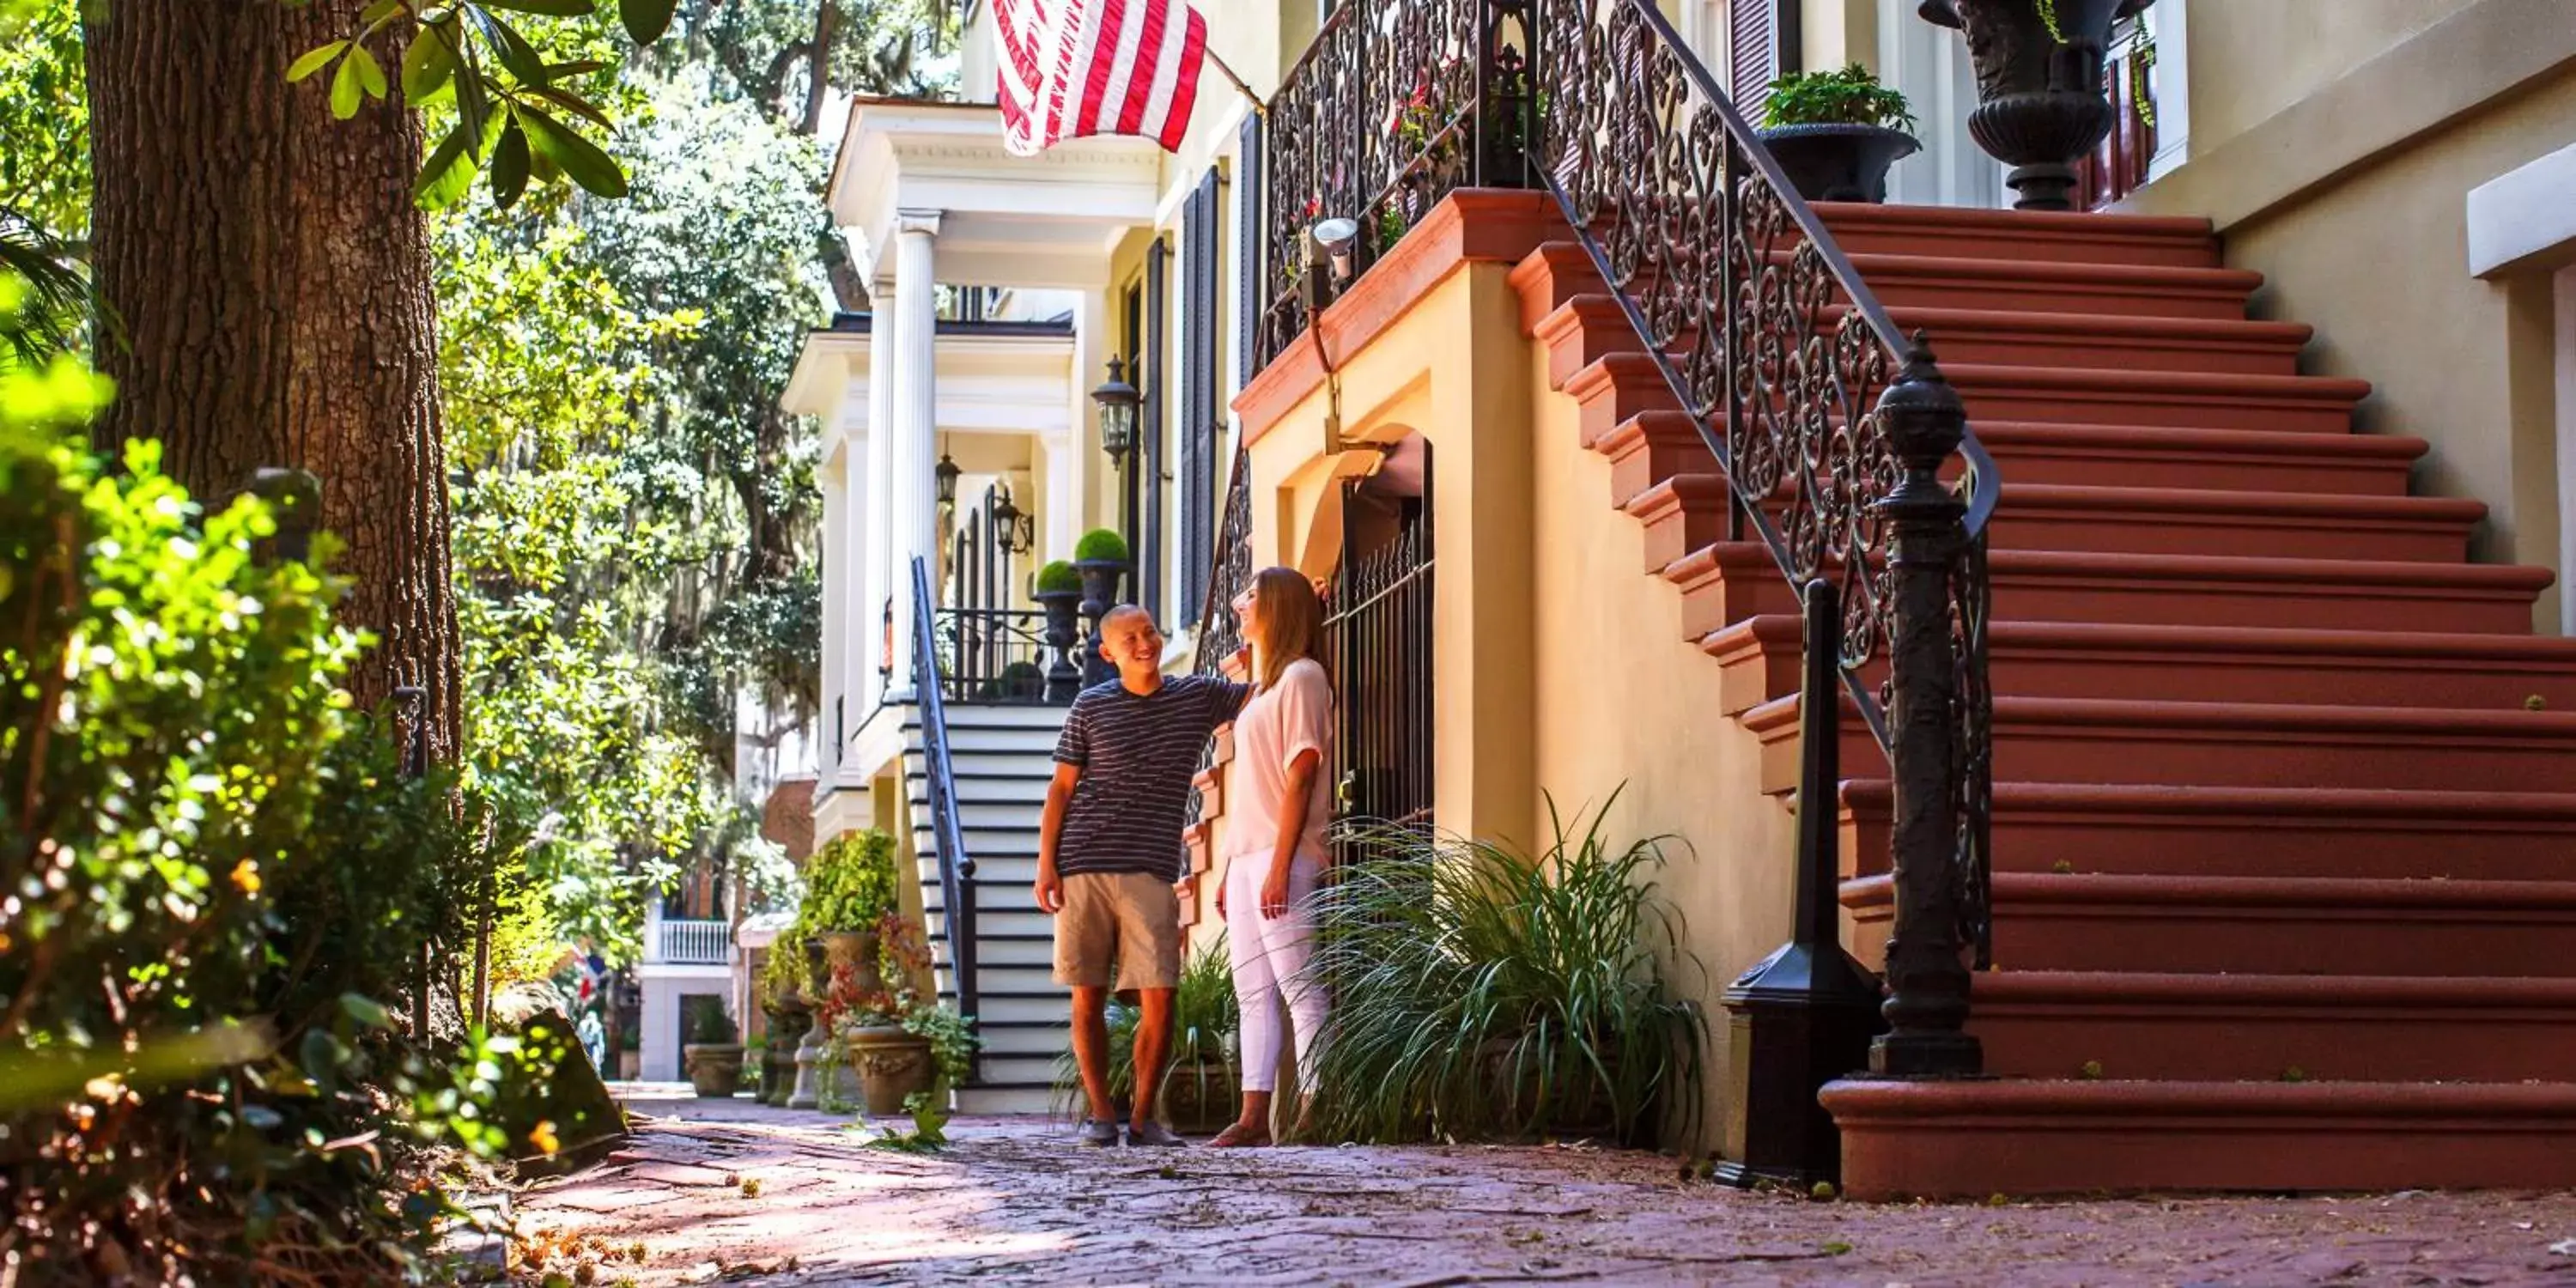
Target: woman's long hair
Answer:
[[1289, 623]]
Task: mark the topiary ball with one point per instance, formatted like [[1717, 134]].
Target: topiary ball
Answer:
[[1059, 577], [1100, 545]]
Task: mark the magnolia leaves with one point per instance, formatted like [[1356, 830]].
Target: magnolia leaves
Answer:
[[510, 107]]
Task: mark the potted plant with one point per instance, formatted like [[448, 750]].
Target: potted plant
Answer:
[[849, 891], [2041, 105], [788, 1015], [1201, 1083], [1487, 990], [713, 1054], [1059, 592], [1836, 133], [1100, 558]]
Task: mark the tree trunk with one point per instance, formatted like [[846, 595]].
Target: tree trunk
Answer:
[[267, 277], [818, 82]]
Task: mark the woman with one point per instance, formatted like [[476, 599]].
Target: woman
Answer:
[[1273, 838]]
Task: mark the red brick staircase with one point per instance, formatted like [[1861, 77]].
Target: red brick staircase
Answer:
[[2285, 823]]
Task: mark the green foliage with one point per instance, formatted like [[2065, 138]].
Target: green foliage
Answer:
[[1851, 96], [1481, 990], [1205, 1026], [889, 48], [213, 868], [498, 88], [952, 1041], [1059, 577], [44, 180], [849, 885], [1100, 545], [710, 1026]]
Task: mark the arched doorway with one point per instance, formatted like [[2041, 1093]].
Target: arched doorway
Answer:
[[1378, 637]]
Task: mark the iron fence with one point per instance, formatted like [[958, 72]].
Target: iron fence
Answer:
[[990, 656]]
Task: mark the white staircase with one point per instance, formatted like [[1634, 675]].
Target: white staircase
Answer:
[[1002, 756]]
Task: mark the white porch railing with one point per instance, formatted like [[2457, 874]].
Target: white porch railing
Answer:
[[691, 943]]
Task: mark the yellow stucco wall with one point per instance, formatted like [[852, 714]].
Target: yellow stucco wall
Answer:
[[2322, 147], [1559, 664]]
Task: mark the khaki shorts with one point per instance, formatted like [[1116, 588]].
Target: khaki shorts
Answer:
[[1130, 918]]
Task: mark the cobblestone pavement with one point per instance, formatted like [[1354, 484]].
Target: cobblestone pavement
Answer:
[[733, 1192]]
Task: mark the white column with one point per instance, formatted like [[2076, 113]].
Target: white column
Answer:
[[916, 416], [875, 534], [839, 581]]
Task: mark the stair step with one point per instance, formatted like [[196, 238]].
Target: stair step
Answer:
[[1688, 511], [2021, 234], [2246, 831], [995, 1102], [2313, 594], [2051, 1024], [1958, 1139], [2213, 664], [1903, 281], [2234, 744], [2157, 456], [2260, 925], [2182, 399], [2105, 342]]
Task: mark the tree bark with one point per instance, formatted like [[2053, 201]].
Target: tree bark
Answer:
[[267, 276], [818, 82]]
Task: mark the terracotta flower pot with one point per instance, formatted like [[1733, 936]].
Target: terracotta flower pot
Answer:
[[856, 949]]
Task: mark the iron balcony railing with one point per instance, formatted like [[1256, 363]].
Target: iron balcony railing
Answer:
[[1220, 636], [956, 867], [1832, 427], [693, 943], [993, 656]]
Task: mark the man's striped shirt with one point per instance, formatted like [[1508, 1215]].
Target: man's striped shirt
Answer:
[[1137, 753]]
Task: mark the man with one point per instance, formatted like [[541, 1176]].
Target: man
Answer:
[[1109, 853]]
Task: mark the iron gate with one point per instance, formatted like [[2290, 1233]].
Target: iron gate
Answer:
[[1377, 639]]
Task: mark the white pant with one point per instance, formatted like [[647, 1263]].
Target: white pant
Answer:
[[1270, 955]]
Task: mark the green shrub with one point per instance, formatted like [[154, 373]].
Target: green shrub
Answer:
[[1100, 545], [1205, 1024], [1851, 96], [217, 881], [710, 1026], [1060, 577], [1483, 991], [849, 885]]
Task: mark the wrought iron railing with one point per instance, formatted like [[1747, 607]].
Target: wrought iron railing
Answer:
[[956, 867], [1395, 104], [993, 656], [1220, 636], [1832, 427]]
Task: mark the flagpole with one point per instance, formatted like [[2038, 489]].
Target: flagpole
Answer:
[[1259, 108]]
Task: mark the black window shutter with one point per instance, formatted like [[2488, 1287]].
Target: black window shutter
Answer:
[[1247, 241], [1193, 324], [1156, 422]]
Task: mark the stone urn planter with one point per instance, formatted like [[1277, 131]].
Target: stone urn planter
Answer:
[[1100, 578], [787, 1025], [856, 949], [1837, 162], [891, 1064], [1063, 632], [2041, 104], [714, 1068]]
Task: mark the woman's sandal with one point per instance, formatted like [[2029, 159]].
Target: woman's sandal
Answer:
[[1237, 1136]]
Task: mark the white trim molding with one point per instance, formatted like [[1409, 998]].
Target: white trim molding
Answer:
[[2523, 217]]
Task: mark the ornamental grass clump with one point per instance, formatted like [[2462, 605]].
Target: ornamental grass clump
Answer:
[[1480, 990]]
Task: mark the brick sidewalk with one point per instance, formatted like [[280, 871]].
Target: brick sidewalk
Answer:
[[1013, 1202]]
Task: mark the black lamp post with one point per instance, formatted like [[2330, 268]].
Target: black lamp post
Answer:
[[1118, 400]]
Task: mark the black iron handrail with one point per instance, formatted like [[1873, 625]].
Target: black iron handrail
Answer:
[[956, 867]]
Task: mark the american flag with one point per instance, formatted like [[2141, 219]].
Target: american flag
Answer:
[[1071, 68]]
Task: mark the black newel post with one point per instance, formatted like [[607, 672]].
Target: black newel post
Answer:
[[1803, 1016], [1927, 980]]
